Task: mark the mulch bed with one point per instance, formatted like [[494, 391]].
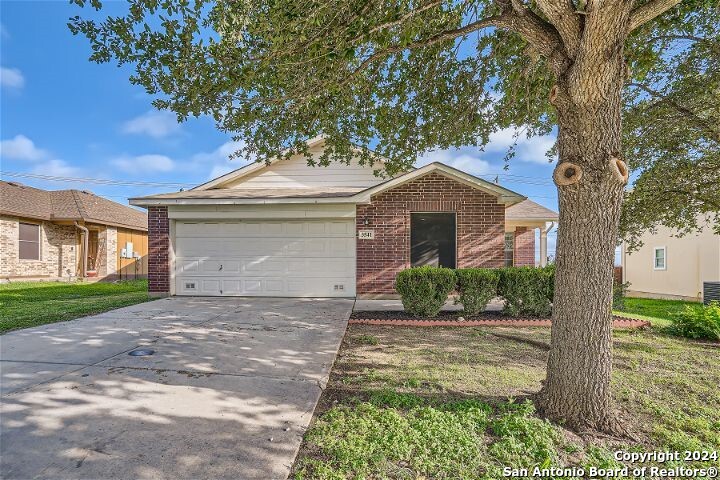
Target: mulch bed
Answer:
[[452, 319]]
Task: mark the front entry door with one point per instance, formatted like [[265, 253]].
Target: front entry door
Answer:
[[432, 239]]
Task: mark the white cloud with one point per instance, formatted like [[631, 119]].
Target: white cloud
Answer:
[[220, 160], [460, 159], [219, 170], [153, 123], [531, 149], [144, 163], [220, 154], [11, 78], [57, 167], [21, 148]]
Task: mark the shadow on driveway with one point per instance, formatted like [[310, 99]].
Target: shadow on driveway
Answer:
[[227, 375]]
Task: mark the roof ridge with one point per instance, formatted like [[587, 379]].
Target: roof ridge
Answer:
[[78, 204]]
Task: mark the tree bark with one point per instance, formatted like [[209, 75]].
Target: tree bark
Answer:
[[588, 105]]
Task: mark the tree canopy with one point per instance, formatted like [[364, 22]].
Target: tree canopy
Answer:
[[672, 130], [404, 77]]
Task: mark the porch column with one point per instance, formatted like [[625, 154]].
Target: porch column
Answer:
[[543, 244]]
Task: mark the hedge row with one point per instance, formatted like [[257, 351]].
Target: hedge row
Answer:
[[526, 290]]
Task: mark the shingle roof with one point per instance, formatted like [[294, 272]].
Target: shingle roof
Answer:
[[529, 210], [29, 202], [256, 193]]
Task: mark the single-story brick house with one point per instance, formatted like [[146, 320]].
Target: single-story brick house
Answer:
[[68, 234], [289, 229]]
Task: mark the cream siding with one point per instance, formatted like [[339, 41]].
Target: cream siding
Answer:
[[689, 261], [296, 173]]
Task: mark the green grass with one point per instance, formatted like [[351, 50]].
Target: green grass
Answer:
[[456, 403], [28, 304], [658, 312]]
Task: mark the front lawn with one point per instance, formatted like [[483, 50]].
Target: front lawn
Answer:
[[658, 312], [28, 304], [406, 402]]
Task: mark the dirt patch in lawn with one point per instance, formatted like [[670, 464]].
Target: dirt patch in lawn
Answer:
[[487, 363], [665, 387]]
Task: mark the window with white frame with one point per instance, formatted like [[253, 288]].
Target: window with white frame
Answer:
[[29, 241], [659, 260], [509, 249]]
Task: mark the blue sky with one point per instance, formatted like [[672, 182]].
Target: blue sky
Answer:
[[62, 115]]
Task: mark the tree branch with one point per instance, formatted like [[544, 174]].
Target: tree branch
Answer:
[[567, 22], [700, 122], [399, 21], [530, 27], [647, 11]]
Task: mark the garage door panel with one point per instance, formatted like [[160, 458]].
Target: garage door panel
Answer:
[[271, 247], [265, 258], [266, 266], [252, 228], [187, 266]]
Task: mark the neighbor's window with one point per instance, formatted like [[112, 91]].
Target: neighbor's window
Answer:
[[659, 258], [29, 241], [509, 248]]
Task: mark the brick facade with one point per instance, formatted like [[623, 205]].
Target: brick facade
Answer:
[[158, 250], [524, 255], [58, 251], [480, 228]]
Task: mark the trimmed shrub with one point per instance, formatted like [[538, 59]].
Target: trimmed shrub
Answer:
[[527, 290], [476, 286], [702, 321], [424, 290]]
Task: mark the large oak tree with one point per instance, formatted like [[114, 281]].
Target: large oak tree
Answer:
[[407, 76]]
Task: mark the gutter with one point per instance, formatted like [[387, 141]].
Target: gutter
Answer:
[[86, 241]]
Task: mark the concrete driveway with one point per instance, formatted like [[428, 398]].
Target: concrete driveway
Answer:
[[227, 376]]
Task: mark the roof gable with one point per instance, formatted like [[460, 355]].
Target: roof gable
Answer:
[[503, 194], [294, 172]]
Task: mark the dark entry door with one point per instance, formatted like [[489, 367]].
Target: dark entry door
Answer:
[[432, 239]]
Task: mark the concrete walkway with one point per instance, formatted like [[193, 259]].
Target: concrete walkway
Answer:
[[495, 304], [227, 375]]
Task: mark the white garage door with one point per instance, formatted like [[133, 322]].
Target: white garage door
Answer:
[[302, 258]]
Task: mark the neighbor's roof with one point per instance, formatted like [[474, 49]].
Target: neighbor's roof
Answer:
[[529, 210], [70, 205]]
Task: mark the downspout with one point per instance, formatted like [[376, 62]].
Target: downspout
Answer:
[[86, 240]]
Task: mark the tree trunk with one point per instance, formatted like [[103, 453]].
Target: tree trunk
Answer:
[[577, 388]]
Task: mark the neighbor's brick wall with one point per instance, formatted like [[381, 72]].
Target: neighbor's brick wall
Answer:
[[158, 250], [524, 247], [58, 251], [480, 228]]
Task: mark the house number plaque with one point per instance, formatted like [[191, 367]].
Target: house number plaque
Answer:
[[366, 234]]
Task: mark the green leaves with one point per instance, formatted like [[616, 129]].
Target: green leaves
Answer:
[[527, 290], [424, 290], [476, 287], [277, 73], [672, 123]]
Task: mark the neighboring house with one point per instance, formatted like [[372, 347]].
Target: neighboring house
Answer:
[[668, 266], [289, 229], [66, 234]]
